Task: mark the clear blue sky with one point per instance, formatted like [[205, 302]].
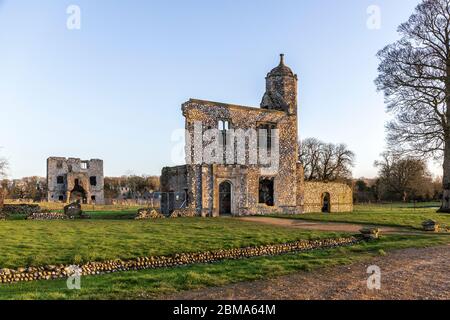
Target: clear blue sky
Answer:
[[113, 89]]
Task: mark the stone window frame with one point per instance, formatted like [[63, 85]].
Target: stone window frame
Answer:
[[224, 125], [84, 165], [270, 125], [59, 179]]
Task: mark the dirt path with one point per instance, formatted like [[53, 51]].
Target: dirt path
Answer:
[[322, 226], [405, 274]]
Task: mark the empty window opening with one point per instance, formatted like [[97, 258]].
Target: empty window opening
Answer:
[[265, 135], [224, 125], [266, 191], [93, 198], [186, 197], [61, 198], [224, 128], [93, 181], [60, 180], [84, 165]]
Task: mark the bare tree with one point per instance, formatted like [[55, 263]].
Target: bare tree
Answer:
[[3, 167], [404, 178], [414, 75], [325, 161]]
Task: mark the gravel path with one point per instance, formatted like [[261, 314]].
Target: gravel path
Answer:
[[405, 274], [322, 226]]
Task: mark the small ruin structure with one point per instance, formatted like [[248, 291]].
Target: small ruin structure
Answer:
[[71, 179]]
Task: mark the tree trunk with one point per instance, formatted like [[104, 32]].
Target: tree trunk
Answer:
[[446, 180]]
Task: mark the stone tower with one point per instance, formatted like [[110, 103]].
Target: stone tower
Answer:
[[281, 89]]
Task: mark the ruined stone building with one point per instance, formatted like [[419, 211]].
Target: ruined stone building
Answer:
[[73, 179], [220, 187]]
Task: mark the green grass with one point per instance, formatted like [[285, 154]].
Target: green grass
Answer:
[[33, 243], [387, 215], [51, 242], [112, 214], [149, 284]]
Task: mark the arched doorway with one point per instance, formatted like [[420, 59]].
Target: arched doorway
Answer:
[[78, 193], [225, 198], [326, 203]]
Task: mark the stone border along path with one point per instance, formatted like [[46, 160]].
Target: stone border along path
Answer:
[[412, 274], [180, 259]]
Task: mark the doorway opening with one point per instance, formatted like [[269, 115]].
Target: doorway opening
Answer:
[[326, 204], [225, 198]]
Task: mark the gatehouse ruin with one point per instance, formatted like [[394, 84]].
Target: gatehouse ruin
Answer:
[[72, 179]]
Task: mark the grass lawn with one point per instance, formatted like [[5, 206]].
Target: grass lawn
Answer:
[[34, 243], [399, 215], [51, 242], [150, 284]]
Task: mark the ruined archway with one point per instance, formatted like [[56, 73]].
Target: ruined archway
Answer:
[[78, 193], [225, 198], [326, 203]]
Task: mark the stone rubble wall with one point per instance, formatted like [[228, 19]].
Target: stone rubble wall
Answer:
[[47, 216], [95, 268], [147, 214], [11, 209], [341, 197]]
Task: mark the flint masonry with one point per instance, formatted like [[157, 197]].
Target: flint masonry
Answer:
[[223, 188], [73, 179]]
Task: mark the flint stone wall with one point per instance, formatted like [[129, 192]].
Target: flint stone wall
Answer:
[[95, 268]]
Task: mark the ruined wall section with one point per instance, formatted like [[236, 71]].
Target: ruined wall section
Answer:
[[341, 197], [174, 188], [62, 173]]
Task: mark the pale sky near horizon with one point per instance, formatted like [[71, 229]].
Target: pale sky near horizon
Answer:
[[113, 89]]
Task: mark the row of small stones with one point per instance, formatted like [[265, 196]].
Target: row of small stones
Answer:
[[47, 216], [95, 268]]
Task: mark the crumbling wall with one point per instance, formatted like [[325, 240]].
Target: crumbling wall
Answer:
[[174, 189], [72, 169], [341, 197]]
